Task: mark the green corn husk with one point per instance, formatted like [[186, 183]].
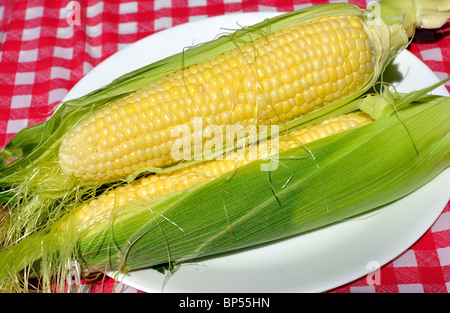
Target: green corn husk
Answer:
[[33, 187], [321, 183], [360, 170]]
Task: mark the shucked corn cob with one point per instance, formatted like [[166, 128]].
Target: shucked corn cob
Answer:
[[286, 74], [282, 75]]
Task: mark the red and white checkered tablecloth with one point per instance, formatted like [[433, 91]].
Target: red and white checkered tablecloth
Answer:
[[45, 49]]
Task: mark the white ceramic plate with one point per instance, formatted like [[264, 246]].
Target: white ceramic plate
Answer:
[[317, 261]]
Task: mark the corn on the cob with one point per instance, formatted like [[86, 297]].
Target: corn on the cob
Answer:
[[274, 79], [271, 80]]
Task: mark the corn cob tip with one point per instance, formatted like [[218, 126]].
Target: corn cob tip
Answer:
[[427, 14]]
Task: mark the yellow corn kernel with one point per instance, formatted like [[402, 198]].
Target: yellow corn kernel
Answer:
[[297, 63]]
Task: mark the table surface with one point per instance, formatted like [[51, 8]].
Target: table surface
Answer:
[[46, 47]]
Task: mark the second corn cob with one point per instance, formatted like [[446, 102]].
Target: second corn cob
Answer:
[[321, 182]]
